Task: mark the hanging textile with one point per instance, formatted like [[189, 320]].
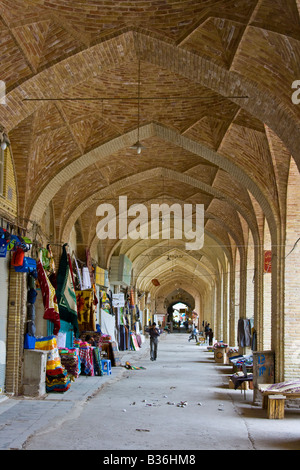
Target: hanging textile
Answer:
[[78, 273], [86, 279], [90, 266], [86, 310], [244, 332], [97, 362], [66, 297], [241, 333], [247, 329], [51, 311]]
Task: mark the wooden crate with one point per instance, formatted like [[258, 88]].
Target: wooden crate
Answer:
[[276, 406]]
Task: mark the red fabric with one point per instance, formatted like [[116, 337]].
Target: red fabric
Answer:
[[18, 257], [51, 312]]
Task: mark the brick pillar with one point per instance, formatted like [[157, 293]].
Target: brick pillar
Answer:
[[259, 295], [237, 294], [232, 326], [243, 284], [15, 331], [267, 286], [225, 305], [291, 334], [218, 324]]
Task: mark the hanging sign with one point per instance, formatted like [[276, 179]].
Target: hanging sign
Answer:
[[268, 261], [118, 300]]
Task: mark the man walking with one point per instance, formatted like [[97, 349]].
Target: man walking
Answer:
[[154, 334]]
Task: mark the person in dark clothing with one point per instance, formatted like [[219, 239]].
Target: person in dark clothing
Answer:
[[154, 335], [206, 330], [210, 336]]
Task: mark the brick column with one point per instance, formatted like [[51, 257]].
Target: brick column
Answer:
[[232, 323], [225, 305], [290, 335], [15, 331]]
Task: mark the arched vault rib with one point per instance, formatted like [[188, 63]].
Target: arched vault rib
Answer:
[[151, 251], [261, 103], [239, 241], [132, 243], [147, 131], [157, 269], [168, 258], [167, 288]]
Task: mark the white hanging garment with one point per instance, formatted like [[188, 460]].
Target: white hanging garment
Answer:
[[86, 279]]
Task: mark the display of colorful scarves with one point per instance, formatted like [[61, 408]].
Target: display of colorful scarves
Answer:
[[220, 344], [87, 360], [240, 360], [46, 343], [53, 360], [57, 378], [58, 383], [105, 339], [70, 362]]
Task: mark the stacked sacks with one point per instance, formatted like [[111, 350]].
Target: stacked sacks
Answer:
[[57, 378]]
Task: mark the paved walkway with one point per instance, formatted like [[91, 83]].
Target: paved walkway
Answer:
[[139, 409]]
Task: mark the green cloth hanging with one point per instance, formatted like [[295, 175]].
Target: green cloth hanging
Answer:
[[65, 293]]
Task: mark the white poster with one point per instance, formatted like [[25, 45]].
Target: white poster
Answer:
[[118, 300]]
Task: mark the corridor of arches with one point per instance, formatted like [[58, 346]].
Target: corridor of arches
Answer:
[[111, 109]]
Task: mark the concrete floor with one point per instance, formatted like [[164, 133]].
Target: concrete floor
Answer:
[[139, 411]]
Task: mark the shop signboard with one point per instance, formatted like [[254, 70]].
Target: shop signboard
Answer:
[[118, 300]]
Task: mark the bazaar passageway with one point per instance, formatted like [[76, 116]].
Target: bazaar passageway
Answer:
[[149, 155], [214, 417]]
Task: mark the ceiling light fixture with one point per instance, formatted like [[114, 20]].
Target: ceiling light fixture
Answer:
[[138, 146], [5, 142]]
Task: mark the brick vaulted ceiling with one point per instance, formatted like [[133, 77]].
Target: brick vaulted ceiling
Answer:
[[216, 116]]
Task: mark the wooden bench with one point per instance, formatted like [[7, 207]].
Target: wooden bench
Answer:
[[274, 401]]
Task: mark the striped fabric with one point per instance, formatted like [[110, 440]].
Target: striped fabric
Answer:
[[290, 386]]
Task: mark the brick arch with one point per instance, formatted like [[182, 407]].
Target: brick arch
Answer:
[[205, 251], [264, 105], [170, 136], [144, 277]]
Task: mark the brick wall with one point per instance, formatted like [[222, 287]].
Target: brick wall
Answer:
[[8, 201]]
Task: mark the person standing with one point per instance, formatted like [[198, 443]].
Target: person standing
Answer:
[[154, 335], [193, 335], [206, 331], [210, 336]]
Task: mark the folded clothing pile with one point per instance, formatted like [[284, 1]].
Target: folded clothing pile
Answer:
[[57, 378], [70, 361]]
